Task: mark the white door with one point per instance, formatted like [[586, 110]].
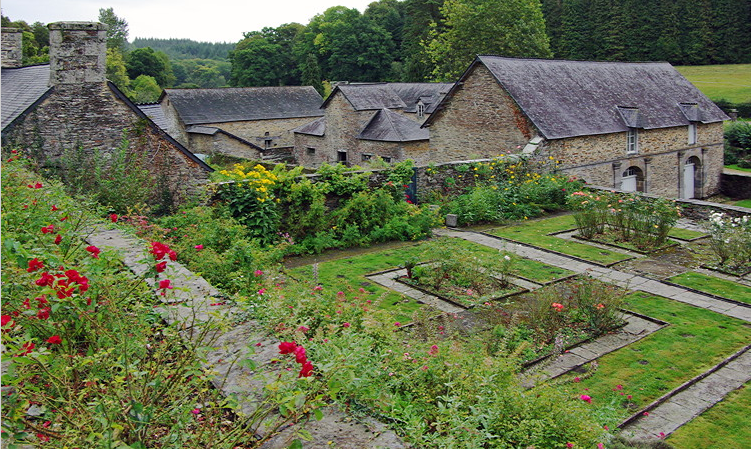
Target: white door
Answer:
[[689, 175], [628, 183]]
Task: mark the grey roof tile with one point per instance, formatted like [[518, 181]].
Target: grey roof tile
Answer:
[[200, 106], [365, 97], [430, 93], [315, 128], [155, 112], [21, 88], [390, 126], [577, 98]]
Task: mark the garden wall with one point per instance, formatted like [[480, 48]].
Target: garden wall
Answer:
[[736, 186]]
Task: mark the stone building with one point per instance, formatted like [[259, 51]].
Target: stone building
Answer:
[[247, 122], [69, 105], [630, 126], [362, 121]]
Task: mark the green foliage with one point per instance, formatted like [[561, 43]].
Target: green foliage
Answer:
[[311, 73], [146, 61], [117, 33], [472, 27], [117, 180], [145, 89], [116, 71]]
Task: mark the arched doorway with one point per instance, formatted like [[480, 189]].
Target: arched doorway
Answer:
[[691, 178], [632, 180]]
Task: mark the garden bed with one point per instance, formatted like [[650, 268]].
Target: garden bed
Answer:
[[466, 297], [611, 240]]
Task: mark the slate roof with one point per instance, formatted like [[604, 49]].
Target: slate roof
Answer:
[[390, 126], [21, 89], [430, 93], [368, 97], [315, 128], [237, 104], [578, 98], [155, 112]]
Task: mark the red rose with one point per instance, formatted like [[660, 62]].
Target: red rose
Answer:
[[54, 340], [306, 370], [34, 265], [287, 347]]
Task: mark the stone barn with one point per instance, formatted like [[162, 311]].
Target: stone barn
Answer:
[[245, 122], [69, 105], [629, 126], [363, 121]]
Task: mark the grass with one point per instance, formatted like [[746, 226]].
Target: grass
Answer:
[[539, 272], [349, 274], [724, 425], [743, 203], [713, 285], [535, 233], [731, 82], [696, 340], [737, 167], [685, 234]]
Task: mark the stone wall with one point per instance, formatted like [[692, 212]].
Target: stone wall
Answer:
[[279, 130], [11, 55], [736, 186], [220, 143], [663, 153], [480, 120]]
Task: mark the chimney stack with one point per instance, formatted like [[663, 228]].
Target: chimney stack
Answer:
[[12, 48], [78, 53]]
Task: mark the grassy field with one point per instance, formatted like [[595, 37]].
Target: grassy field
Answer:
[[744, 203], [736, 167], [731, 82]]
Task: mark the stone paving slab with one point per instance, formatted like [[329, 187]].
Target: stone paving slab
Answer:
[[388, 280]]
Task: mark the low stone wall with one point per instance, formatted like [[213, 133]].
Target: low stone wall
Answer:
[[736, 186]]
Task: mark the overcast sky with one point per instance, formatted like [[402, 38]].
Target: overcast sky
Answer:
[[201, 20]]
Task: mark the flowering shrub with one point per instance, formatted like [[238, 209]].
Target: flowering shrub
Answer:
[[634, 218], [730, 239]]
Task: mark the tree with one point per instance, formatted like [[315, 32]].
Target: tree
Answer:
[[146, 61], [145, 89], [512, 28], [266, 58], [116, 71], [311, 73], [117, 34], [420, 14]]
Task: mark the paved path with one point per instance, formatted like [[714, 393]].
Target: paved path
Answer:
[[690, 400], [626, 280], [198, 310]]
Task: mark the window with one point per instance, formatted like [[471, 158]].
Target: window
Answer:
[[310, 151], [632, 141], [386, 159], [267, 140], [420, 109], [692, 133], [341, 156], [366, 157]]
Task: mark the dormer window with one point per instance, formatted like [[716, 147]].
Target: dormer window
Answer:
[[632, 141], [420, 109]]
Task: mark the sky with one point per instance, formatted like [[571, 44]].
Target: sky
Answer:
[[200, 20]]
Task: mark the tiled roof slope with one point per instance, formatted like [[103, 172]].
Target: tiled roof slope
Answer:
[[315, 128], [389, 126], [156, 114], [577, 98], [237, 104], [368, 97], [21, 88], [430, 93]]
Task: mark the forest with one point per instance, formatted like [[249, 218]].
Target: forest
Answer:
[[424, 40]]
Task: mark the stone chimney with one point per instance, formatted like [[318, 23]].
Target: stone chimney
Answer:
[[12, 48], [78, 53]]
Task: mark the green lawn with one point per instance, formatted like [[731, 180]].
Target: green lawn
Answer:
[[713, 285], [731, 82], [685, 234], [535, 233], [743, 203], [539, 272], [737, 167], [696, 340], [725, 425]]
